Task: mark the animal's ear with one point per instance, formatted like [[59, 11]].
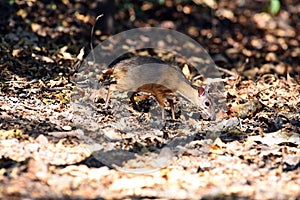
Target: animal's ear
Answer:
[[201, 91]]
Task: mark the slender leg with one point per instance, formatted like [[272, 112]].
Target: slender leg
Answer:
[[162, 113], [111, 88], [172, 108], [107, 98]]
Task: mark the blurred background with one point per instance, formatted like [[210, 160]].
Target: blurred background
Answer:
[[260, 36]]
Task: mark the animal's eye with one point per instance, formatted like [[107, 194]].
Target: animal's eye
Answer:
[[207, 104]]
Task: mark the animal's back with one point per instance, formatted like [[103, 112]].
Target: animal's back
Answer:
[[140, 71]]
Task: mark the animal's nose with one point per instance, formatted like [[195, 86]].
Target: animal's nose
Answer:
[[213, 117], [208, 116]]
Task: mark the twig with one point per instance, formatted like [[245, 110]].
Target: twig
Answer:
[[92, 36], [235, 75]]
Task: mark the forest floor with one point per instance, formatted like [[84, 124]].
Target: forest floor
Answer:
[[250, 152]]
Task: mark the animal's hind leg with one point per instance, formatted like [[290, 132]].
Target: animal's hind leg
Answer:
[[171, 103]]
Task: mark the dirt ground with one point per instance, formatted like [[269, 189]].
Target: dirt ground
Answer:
[[250, 152]]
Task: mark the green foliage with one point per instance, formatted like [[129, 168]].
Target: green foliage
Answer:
[[274, 6], [11, 2], [161, 2]]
